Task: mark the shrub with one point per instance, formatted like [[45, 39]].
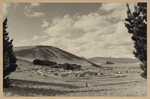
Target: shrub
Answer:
[[37, 62], [70, 66], [43, 62]]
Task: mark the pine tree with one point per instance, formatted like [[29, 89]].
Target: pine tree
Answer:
[[136, 24], [9, 59]]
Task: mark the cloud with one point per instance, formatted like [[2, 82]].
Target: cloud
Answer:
[[35, 14], [38, 37], [112, 6], [35, 37], [101, 33], [45, 24], [115, 10], [29, 10], [60, 26], [30, 6], [34, 4], [5, 8], [23, 42]]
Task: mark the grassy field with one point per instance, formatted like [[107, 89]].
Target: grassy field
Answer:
[[121, 80]]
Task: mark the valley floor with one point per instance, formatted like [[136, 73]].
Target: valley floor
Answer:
[[111, 83]]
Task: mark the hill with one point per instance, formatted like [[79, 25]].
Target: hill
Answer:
[[29, 53]]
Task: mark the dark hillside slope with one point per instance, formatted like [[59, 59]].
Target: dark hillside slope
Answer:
[[49, 53]]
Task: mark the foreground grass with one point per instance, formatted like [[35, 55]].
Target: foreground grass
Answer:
[[33, 88]]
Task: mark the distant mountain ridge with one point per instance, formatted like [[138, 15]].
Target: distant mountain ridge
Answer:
[[114, 60]]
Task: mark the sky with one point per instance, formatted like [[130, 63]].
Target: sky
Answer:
[[83, 29]]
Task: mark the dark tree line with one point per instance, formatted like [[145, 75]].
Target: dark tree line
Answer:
[[52, 64], [43, 62], [9, 59], [136, 23]]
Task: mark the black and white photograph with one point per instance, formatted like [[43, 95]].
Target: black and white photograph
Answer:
[[71, 49]]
